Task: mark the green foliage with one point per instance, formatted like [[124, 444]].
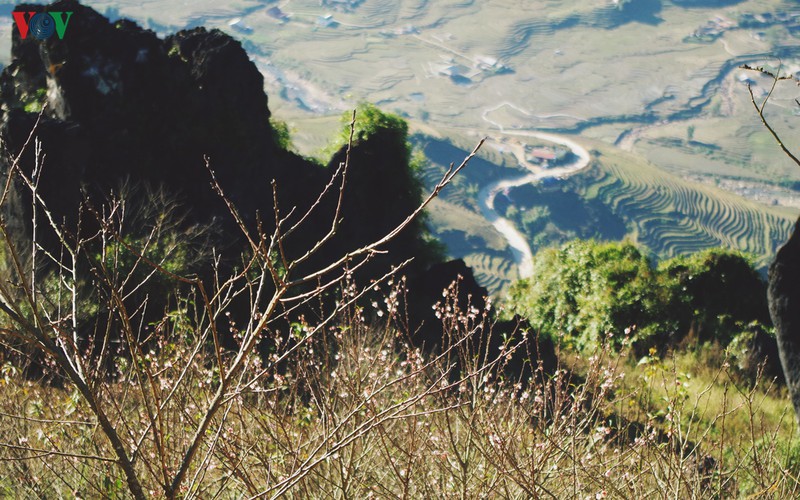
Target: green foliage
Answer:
[[383, 184], [153, 242], [33, 103], [536, 218], [169, 251], [713, 292], [370, 121], [418, 161], [281, 134], [114, 487], [745, 361], [785, 453], [586, 290]]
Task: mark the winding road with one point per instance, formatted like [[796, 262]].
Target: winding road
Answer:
[[523, 256]]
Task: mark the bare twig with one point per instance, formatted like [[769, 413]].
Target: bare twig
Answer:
[[776, 77]]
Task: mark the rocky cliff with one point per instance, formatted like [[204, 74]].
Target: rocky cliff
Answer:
[[784, 307], [121, 104]]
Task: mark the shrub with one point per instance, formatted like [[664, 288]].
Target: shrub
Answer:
[[585, 290], [281, 134], [713, 291]]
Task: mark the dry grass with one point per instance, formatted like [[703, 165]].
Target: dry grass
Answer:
[[358, 412], [334, 402]]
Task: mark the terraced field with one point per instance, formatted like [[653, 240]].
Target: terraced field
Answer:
[[672, 216], [494, 272], [661, 211], [455, 217]]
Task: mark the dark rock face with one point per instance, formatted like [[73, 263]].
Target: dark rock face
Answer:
[[534, 356], [123, 105], [759, 355], [784, 307], [427, 288], [379, 194]]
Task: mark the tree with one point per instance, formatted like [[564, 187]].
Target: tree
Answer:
[[382, 186], [587, 290], [713, 293]]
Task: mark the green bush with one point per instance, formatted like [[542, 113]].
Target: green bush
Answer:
[[281, 134], [712, 293], [370, 121], [586, 290], [383, 184]]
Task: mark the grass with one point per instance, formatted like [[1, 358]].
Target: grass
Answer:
[[706, 384], [603, 425]]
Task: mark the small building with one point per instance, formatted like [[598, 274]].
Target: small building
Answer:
[[239, 26], [327, 21], [486, 62], [543, 154]]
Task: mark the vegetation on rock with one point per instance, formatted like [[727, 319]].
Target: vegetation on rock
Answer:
[[586, 291]]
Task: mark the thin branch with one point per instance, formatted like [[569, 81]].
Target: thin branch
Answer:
[[374, 246], [41, 453], [760, 108], [335, 219]]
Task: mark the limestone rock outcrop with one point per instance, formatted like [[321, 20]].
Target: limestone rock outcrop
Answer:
[[784, 307]]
